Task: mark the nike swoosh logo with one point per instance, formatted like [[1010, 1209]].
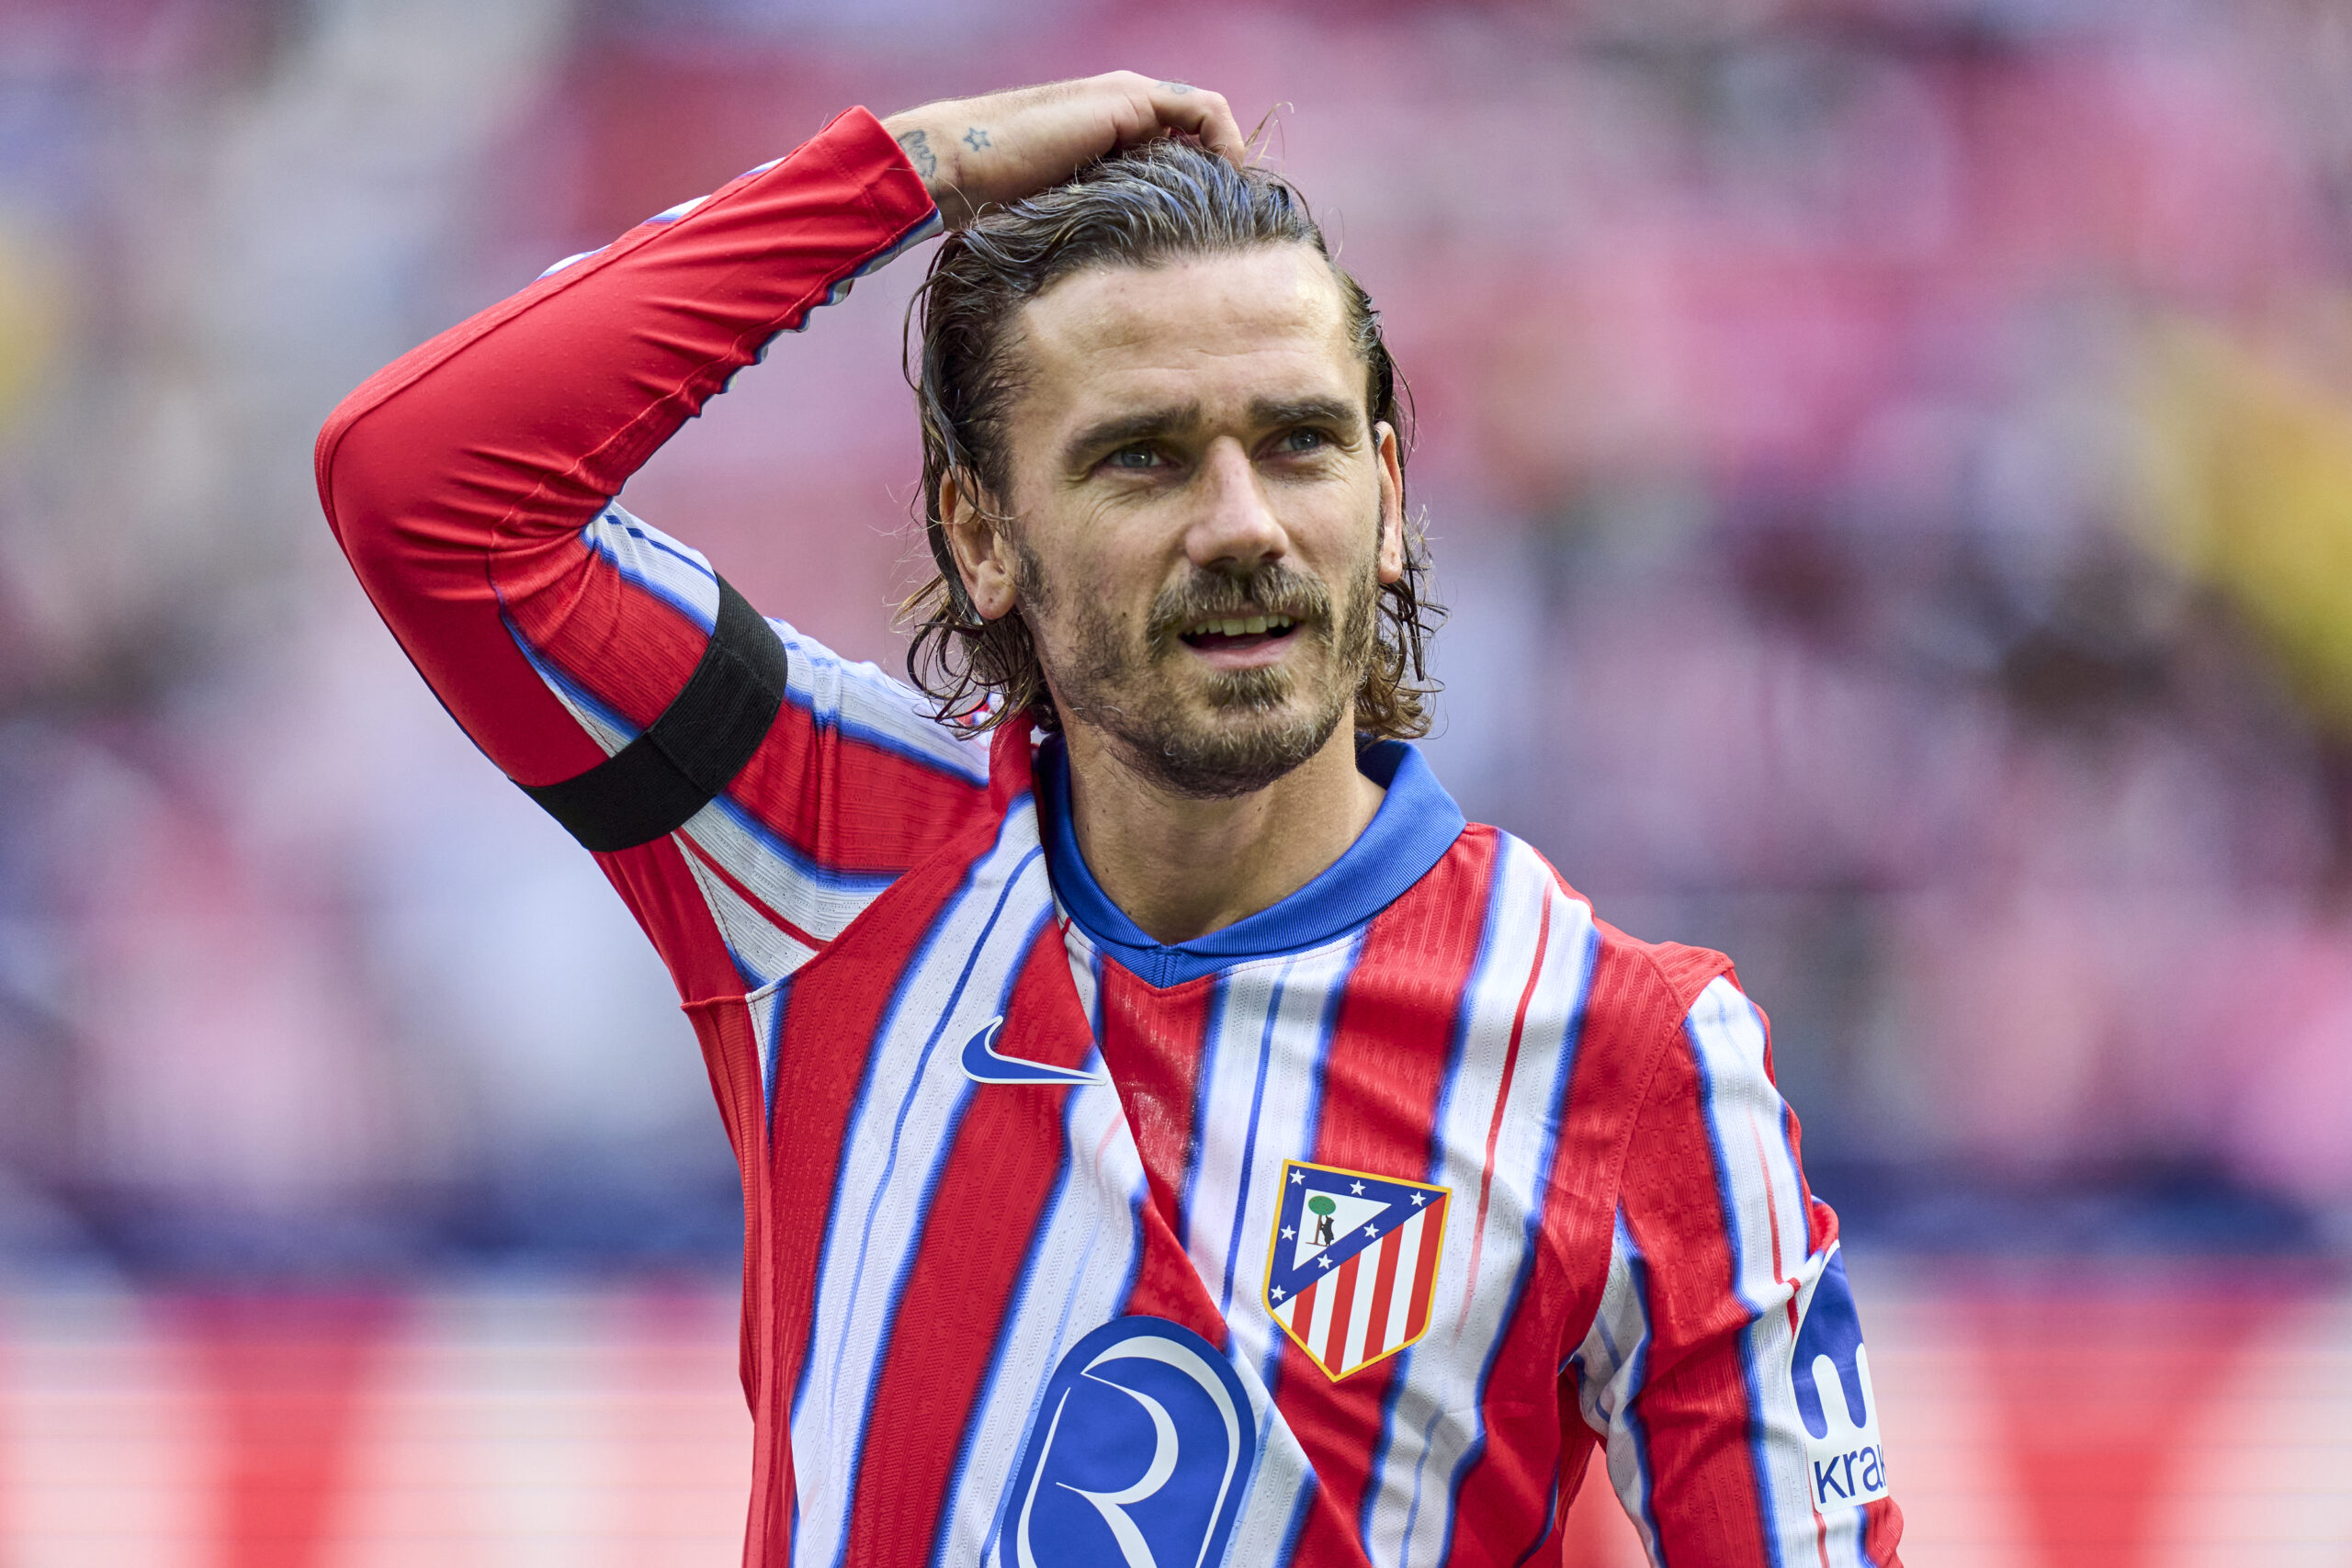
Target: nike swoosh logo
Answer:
[[982, 1064]]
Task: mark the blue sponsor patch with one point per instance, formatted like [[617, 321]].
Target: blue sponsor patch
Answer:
[[1141, 1453], [1831, 1374]]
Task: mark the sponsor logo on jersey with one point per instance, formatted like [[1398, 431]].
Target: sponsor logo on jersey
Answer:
[[1832, 1374], [983, 1063], [1351, 1266], [1140, 1453]]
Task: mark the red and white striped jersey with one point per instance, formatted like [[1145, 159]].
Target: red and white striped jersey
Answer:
[[1339, 1236]]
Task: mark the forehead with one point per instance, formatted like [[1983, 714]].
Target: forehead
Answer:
[[1213, 329]]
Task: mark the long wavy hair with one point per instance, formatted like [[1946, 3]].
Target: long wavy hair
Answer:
[[1162, 201]]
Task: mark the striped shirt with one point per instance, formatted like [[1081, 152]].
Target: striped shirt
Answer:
[[1342, 1235]]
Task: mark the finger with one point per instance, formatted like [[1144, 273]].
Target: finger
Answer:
[[1183, 107]]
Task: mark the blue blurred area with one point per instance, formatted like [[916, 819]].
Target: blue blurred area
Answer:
[[1889, 462]]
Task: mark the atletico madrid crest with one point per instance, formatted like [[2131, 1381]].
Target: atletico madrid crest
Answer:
[[1352, 1266]]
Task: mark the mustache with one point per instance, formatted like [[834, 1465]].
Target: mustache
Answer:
[[1269, 589]]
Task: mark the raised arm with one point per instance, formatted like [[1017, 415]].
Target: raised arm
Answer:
[[711, 759]]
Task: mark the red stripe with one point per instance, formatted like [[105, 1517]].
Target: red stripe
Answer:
[[991, 1194], [1383, 1289], [1416, 1312], [1153, 1041], [1695, 1318], [1502, 1099], [1343, 1307], [1385, 1075], [834, 1012], [767, 910], [1638, 995], [1302, 1310]]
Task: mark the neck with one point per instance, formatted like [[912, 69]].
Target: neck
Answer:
[[1181, 867]]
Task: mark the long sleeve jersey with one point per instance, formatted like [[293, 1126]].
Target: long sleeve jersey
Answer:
[[1339, 1236]]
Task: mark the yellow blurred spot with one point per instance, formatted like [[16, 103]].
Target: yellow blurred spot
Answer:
[[2249, 464]]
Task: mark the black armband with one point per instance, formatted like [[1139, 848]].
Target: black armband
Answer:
[[652, 786]]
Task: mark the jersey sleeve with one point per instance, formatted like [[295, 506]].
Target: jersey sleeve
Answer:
[[471, 484], [1725, 1369]]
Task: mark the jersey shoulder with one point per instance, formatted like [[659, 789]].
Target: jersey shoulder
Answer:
[[1636, 987]]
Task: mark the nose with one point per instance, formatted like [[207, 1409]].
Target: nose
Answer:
[[1235, 529]]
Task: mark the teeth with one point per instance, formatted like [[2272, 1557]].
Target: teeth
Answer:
[[1249, 625]]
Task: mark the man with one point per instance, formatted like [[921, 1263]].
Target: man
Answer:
[[1173, 1137]]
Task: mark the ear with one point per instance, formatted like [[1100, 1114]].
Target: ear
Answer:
[[983, 555], [1392, 501]]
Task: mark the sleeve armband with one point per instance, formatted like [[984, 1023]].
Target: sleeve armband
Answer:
[[652, 786]]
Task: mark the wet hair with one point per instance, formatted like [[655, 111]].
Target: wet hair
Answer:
[[1163, 201]]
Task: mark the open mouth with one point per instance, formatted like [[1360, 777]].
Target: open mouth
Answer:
[[1239, 633]]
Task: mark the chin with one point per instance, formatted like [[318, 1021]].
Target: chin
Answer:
[[1232, 749]]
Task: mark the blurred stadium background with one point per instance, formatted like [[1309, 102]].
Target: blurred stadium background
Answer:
[[1891, 465]]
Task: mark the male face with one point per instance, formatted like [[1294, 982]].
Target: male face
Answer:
[[1201, 512]]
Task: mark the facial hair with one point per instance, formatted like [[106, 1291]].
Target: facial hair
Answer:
[[1254, 733]]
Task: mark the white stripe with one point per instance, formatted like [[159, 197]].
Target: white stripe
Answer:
[[1077, 1280], [1410, 1238], [1238, 1191], [762, 950], [1607, 1362], [645, 555], [1426, 1449], [899, 1132], [1360, 1308], [868, 701], [1318, 1320], [1308, 984], [1743, 1115]]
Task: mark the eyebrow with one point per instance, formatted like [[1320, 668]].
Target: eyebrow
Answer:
[[1176, 419]]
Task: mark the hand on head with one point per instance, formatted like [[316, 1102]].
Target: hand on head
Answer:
[[975, 152]]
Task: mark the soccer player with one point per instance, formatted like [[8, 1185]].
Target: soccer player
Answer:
[[1169, 1133]]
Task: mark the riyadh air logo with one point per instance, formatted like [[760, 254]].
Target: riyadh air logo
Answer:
[[1140, 1455], [1352, 1266], [983, 1065], [1832, 1373]]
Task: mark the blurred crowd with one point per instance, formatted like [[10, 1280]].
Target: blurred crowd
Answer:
[[1889, 461]]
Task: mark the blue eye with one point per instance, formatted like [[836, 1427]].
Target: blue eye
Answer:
[[1133, 458], [1302, 440]]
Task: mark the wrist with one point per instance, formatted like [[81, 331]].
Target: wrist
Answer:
[[932, 153]]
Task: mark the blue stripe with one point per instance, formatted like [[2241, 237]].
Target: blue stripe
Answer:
[[1062, 1336], [1433, 1171], [1249, 1145], [1551, 1515], [1074, 1280], [840, 1190], [871, 883], [1296, 1529], [939, 1154], [620, 517], [1412, 1513], [1325, 1029], [564, 685], [777, 1004], [804, 657], [1638, 1266], [1755, 1425], [653, 588]]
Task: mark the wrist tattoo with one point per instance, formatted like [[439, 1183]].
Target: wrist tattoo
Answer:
[[919, 153], [975, 139]]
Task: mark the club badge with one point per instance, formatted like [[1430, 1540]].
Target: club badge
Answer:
[[1352, 1266]]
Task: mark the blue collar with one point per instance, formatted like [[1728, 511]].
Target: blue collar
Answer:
[[1416, 824]]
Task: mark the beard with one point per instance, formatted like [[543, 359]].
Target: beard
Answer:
[[1257, 728]]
